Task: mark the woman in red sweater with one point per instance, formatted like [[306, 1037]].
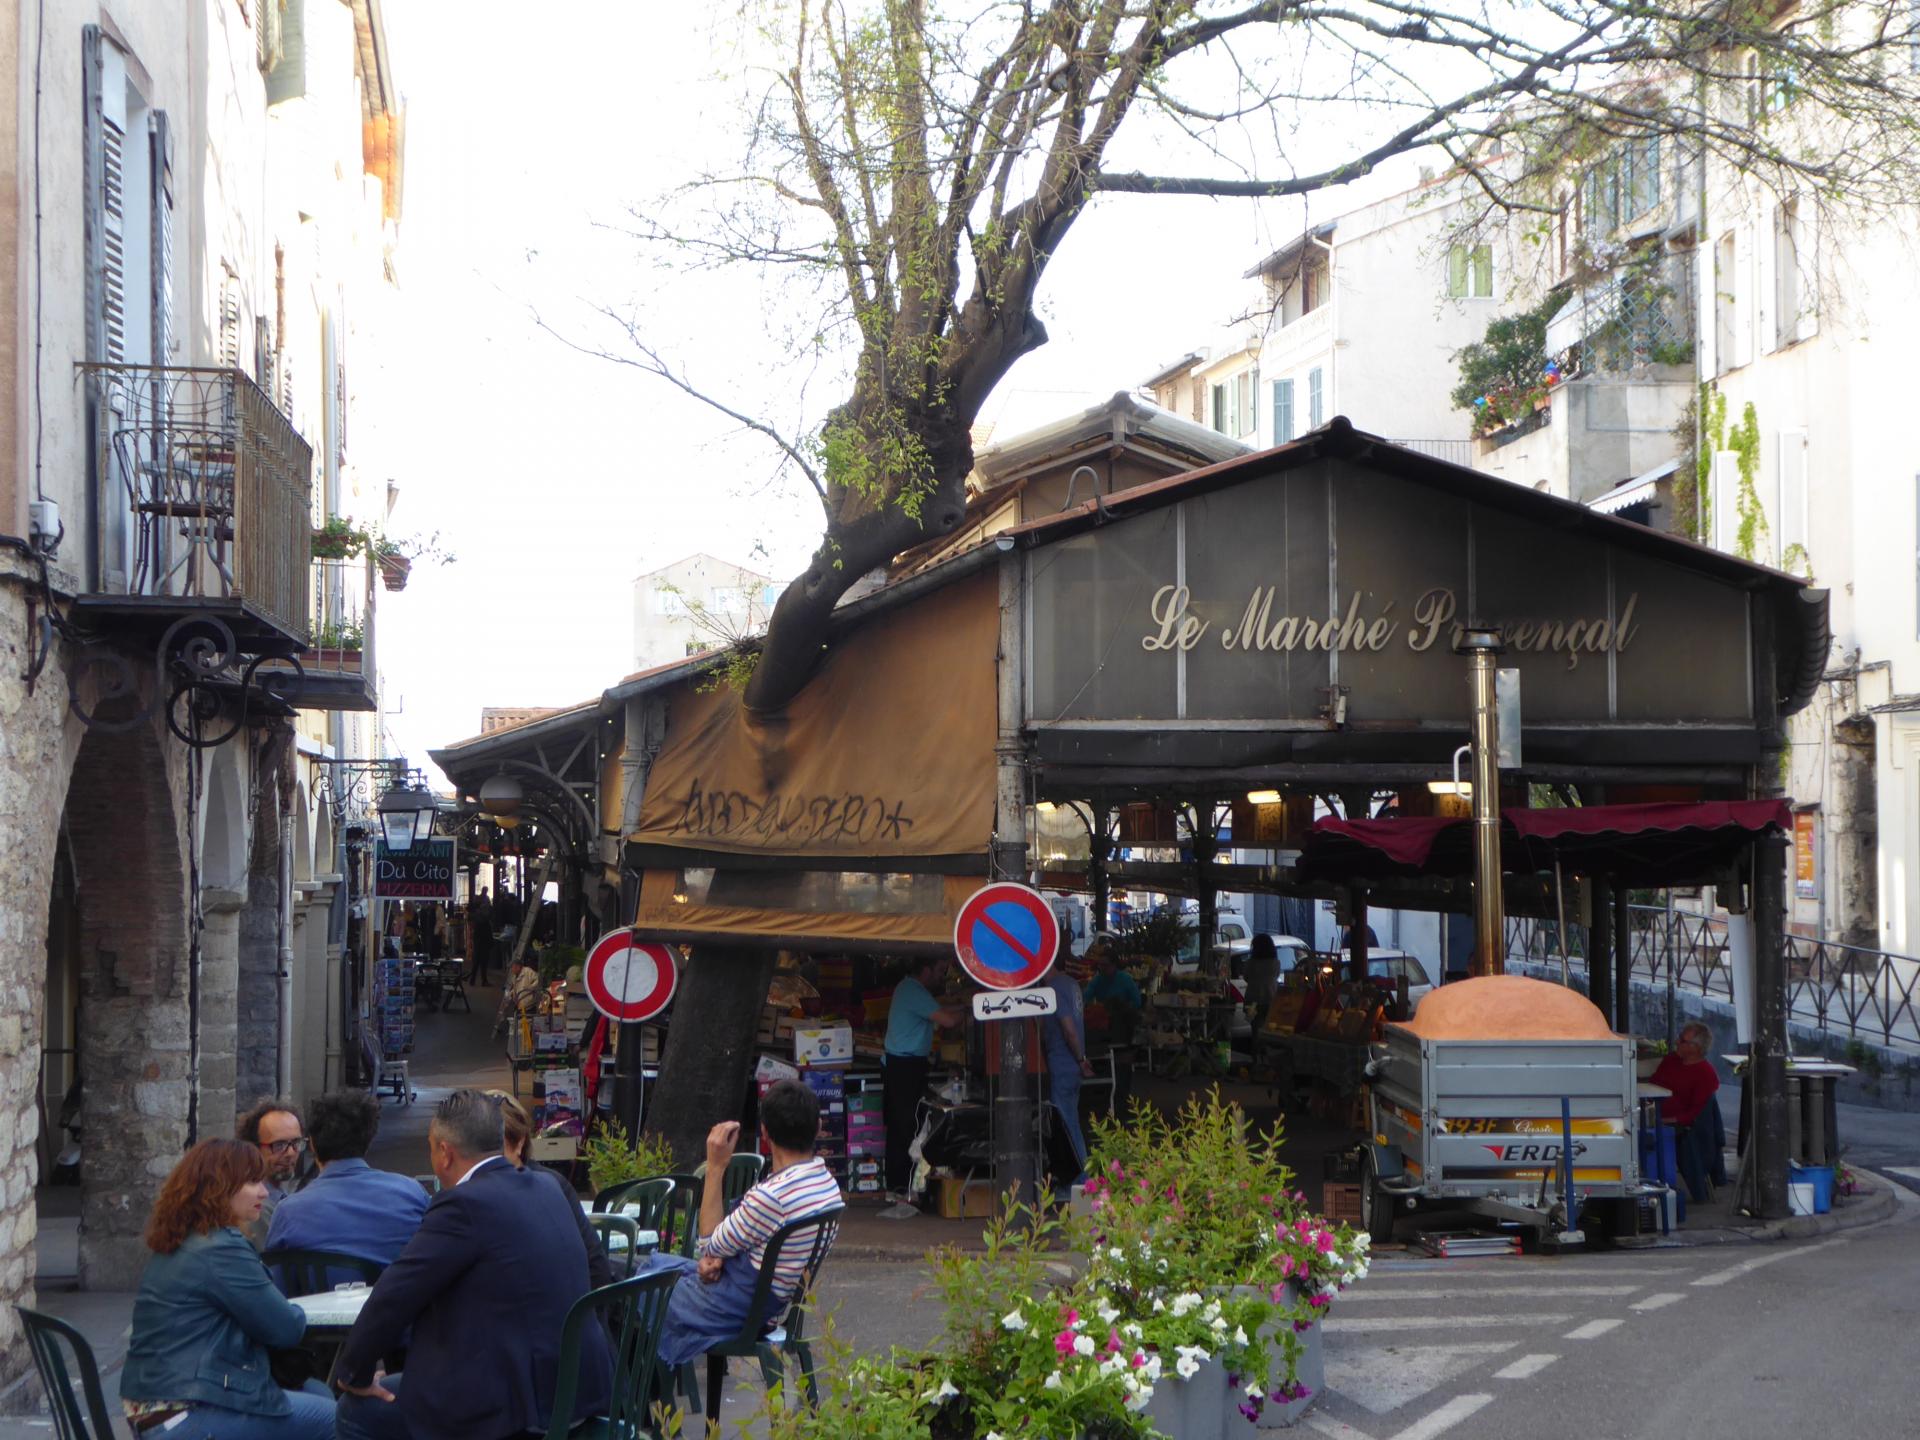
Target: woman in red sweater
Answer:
[[1692, 1108]]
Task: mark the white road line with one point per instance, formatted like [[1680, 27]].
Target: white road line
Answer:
[[1593, 1329], [1372, 1324], [1525, 1367], [1552, 1292], [1747, 1267], [1336, 1429], [1657, 1302], [1912, 1172], [1438, 1422]]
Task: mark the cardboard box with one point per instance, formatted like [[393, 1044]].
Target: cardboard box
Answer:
[[769, 1069], [966, 1199], [866, 1185], [829, 1043]]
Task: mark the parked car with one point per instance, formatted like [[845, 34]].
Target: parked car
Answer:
[[1385, 967]]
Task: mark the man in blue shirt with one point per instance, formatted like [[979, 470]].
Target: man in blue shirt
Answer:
[[1063, 1035], [349, 1207], [911, 1019]]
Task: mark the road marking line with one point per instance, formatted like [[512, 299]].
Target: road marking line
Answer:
[[1593, 1329], [1525, 1367], [1747, 1267], [1336, 1429], [1657, 1302], [1466, 1293], [1435, 1322], [1438, 1422]]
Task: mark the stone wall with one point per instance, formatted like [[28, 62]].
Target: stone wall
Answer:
[[257, 1039]]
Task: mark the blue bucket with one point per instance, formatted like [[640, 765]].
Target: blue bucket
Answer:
[[1818, 1176]]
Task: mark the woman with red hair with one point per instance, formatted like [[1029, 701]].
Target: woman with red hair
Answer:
[[207, 1313]]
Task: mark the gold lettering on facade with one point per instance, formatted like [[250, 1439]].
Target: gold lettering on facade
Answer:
[[1178, 630]]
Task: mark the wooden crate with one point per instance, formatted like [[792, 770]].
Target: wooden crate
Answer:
[[1340, 1202]]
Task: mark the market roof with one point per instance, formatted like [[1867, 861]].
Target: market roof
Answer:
[[1801, 611], [1120, 418]]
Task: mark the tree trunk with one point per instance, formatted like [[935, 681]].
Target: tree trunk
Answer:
[[707, 1064]]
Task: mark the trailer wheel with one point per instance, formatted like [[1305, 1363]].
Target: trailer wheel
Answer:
[[1376, 1204]]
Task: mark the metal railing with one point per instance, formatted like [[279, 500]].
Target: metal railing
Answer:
[[342, 607], [1838, 988], [202, 490], [1457, 452]]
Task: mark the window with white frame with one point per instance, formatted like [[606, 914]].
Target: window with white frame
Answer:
[[1283, 421], [1470, 272], [1316, 399]]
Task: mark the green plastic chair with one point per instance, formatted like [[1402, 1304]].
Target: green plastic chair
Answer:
[[771, 1343], [625, 1260], [305, 1272], [681, 1234], [743, 1173], [628, 1192], [633, 1312], [45, 1337]]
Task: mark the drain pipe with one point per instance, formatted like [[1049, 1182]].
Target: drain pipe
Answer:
[[284, 1077]]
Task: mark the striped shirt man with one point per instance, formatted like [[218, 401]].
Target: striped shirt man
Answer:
[[777, 1201]]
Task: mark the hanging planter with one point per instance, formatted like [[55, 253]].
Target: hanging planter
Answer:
[[394, 569]]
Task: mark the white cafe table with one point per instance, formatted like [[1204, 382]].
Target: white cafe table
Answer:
[[334, 1309]]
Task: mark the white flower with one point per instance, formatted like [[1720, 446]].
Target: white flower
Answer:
[[1194, 1352], [1217, 1325], [1185, 1366], [1083, 1344], [944, 1393], [1107, 1313], [1254, 1392], [1113, 1364], [1053, 1382], [1138, 1398], [1361, 1240], [1151, 1369], [1114, 1252], [1239, 1334], [995, 1435], [1131, 1330], [1212, 1312], [1158, 1304], [1146, 1251], [1163, 1267], [1184, 1304], [1014, 1320]]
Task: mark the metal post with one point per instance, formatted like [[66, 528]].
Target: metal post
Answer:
[[1666, 960], [1622, 961], [1357, 946], [1768, 1072], [1206, 845], [1016, 1144], [1600, 946], [1099, 851], [628, 1081], [1481, 645]]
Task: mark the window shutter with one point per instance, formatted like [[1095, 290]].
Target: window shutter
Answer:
[[1483, 271], [1282, 411], [1743, 285], [229, 320], [1315, 399], [1457, 272], [286, 77], [160, 138], [106, 178]]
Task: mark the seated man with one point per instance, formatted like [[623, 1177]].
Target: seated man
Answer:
[[1693, 1109], [485, 1286], [709, 1305], [349, 1207]]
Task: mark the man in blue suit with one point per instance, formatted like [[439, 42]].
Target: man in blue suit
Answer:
[[485, 1286], [349, 1207]]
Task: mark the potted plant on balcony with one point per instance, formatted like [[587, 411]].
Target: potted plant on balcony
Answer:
[[339, 539], [341, 638], [396, 557]]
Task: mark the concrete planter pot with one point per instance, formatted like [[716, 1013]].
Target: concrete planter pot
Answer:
[[1196, 1409], [1310, 1371]]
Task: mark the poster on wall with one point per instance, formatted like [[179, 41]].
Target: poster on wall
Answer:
[[1806, 883], [426, 872]]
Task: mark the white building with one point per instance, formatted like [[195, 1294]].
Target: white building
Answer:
[[697, 603]]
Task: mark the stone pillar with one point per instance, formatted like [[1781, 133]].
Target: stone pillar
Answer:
[[257, 1041], [219, 1010]]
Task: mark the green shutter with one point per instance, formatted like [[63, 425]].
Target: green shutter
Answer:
[[1457, 272], [1483, 271]]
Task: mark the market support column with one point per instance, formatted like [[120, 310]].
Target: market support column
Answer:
[[1015, 1142], [1769, 903]]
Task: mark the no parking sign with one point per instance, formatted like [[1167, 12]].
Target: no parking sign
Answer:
[[1006, 936]]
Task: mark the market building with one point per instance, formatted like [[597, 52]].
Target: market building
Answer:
[[1283, 621], [208, 230]]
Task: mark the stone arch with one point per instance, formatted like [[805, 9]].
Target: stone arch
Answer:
[[224, 839], [125, 833]]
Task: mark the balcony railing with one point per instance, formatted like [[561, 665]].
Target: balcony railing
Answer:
[[339, 665], [202, 492]]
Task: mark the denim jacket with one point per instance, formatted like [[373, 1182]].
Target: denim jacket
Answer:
[[203, 1322]]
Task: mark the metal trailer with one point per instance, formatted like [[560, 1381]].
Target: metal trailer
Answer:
[[1535, 1131]]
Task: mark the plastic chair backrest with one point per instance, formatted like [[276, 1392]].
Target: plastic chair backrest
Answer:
[[816, 1233], [428, 1183], [681, 1234], [306, 1272], [44, 1337], [608, 1226], [652, 1190], [633, 1312], [743, 1173]]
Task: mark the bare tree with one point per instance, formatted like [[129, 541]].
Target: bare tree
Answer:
[[922, 170]]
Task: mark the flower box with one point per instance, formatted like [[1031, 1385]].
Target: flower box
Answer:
[[1196, 1409]]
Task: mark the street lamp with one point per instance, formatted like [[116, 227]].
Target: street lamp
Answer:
[[501, 796], [406, 815]]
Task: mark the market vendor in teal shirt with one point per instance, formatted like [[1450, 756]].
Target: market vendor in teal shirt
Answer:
[[911, 1019], [1111, 986]]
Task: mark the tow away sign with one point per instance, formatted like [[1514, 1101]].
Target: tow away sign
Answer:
[[1015, 1004]]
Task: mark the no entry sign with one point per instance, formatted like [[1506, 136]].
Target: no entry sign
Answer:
[[1006, 936], [628, 980]]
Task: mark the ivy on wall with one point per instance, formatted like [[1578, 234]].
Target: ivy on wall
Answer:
[[1751, 529]]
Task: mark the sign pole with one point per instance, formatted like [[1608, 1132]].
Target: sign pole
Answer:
[[628, 1076]]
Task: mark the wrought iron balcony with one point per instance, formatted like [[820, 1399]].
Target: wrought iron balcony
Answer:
[[201, 498], [339, 663]]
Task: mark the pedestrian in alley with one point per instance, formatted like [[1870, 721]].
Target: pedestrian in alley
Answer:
[[480, 931], [912, 1015], [484, 1287], [207, 1314], [273, 1126], [1063, 1036]]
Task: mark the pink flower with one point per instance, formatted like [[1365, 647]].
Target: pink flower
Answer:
[[1323, 1242], [1070, 1315], [1318, 1302], [1113, 1340], [1286, 1266], [1139, 1359], [1063, 1342]]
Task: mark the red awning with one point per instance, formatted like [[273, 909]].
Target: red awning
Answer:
[[1634, 844]]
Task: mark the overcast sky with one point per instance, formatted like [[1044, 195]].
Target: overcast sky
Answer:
[[556, 477]]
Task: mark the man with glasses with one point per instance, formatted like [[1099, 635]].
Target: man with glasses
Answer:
[[274, 1126]]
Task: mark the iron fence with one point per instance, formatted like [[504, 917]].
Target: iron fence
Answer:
[[1839, 988], [203, 490], [342, 609]]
